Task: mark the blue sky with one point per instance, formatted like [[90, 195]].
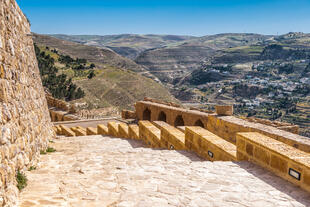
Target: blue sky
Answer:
[[184, 17]]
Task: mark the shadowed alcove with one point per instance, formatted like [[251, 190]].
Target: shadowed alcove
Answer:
[[162, 116], [179, 121]]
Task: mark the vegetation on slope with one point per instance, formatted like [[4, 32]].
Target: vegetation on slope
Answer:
[[60, 86], [104, 85]]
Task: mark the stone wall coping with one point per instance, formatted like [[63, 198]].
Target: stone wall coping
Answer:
[[266, 129], [174, 108], [88, 120]]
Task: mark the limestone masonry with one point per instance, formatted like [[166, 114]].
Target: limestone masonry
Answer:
[[24, 117], [211, 136]]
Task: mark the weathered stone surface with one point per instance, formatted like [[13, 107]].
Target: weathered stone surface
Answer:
[[275, 156], [25, 126], [126, 114], [133, 131], [113, 129], [150, 135], [67, 131], [102, 129], [123, 130], [100, 171], [91, 131], [171, 137], [224, 110], [209, 145], [223, 126]]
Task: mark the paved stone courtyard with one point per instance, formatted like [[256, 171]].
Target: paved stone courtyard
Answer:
[[101, 171]]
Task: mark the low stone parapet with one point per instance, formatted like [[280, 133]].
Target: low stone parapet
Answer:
[[70, 117], [209, 145], [171, 137], [91, 131], [79, 131], [150, 134], [285, 161], [181, 128], [67, 131], [127, 114], [224, 110], [123, 130], [133, 131], [113, 129], [293, 129], [102, 129]]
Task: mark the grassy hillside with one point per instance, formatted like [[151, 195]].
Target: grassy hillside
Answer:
[[111, 86], [116, 87]]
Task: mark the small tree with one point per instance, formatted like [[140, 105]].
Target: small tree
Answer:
[[92, 66], [91, 75]]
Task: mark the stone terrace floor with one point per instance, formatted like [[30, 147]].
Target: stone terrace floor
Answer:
[[102, 171]]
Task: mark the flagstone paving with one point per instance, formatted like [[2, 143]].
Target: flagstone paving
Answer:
[[103, 171]]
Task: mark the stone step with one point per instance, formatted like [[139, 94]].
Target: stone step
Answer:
[[67, 131], [58, 130], [150, 134], [284, 160], [123, 130], [79, 131], [113, 129], [133, 131], [209, 145], [171, 137], [91, 131], [102, 129]]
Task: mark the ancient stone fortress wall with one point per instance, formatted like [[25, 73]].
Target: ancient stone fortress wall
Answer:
[[25, 126], [60, 110], [224, 126]]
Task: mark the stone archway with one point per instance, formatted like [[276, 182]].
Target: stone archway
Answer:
[[147, 114], [179, 121], [162, 116], [199, 123]]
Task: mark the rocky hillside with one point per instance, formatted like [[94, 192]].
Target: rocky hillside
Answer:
[[93, 54], [127, 45], [114, 83]]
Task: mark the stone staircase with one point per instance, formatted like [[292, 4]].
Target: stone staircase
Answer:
[[283, 160]]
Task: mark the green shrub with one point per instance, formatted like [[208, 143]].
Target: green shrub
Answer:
[[50, 149], [32, 168], [21, 180]]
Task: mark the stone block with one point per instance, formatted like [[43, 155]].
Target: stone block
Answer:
[[79, 131], [67, 131], [70, 117], [181, 128], [279, 163], [127, 114], [224, 110], [150, 134], [171, 137], [284, 160], [102, 129], [123, 130], [113, 129], [133, 131], [209, 145], [59, 130], [91, 131]]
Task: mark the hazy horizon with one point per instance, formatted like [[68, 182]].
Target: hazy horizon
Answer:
[[168, 34]]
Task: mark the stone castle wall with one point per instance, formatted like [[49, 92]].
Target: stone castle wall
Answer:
[[25, 126], [224, 126]]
